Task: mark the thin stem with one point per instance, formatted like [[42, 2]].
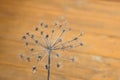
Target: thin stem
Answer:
[[48, 43], [53, 31], [42, 59], [67, 47], [68, 41], [51, 38], [49, 59], [63, 43], [40, 44], [58, 38], [43, 37], [53, 55]]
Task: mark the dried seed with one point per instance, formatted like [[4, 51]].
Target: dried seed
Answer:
[[60, 40], [46, 66], [32, 49], [28, 59], [32, 36], [63, 30], [81, 44], [57, 55], [46, 26], [41, 32], [75, 38], [71, 46], [55, 24], [69, 29], [28, 33], [72, 59], [41, 23], [36, 41], [36, 29], [58, 65], [39, 58], [26, 43], [60, 26], [47, 36], [34, 68], [81, 34], [24, 37], [53, 31], [21, 56]]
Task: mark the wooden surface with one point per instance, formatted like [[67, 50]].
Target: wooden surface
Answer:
[[99, 59]]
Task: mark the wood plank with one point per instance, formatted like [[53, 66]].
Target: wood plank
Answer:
[[98, 59]]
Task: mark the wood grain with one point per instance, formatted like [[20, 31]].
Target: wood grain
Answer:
[[98, 59]]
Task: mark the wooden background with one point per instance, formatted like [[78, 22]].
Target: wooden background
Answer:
[[98, 59]]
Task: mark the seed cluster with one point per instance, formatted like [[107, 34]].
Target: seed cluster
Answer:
[[46, 42]]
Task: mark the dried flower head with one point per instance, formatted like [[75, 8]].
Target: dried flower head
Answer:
[[49, 43]]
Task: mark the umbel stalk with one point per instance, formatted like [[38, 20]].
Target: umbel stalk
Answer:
[[49, 60]]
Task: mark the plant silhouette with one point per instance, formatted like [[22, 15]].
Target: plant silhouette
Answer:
[[49, 40]]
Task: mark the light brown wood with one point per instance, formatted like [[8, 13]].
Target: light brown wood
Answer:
[[98, 59]]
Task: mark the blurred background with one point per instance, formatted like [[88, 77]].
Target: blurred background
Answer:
[[98, 59]]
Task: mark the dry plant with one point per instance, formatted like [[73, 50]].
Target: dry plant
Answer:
[[49, 40]]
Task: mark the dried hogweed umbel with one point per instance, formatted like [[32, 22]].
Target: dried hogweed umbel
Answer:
[[48, 44]]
